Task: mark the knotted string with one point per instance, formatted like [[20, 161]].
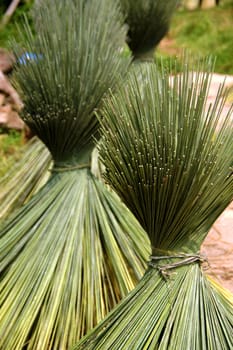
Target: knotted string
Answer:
[[70, 168], [184, 259]]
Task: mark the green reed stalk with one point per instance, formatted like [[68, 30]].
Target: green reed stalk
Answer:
[[74, 250], [169, 157]]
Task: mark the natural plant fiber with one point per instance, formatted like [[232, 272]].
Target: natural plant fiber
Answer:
[[29, 174], [64, 268], [69, 59], [148, 22], [25, 177], [170, 160], [74, 250]]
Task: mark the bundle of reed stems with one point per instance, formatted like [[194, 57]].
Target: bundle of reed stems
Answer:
[[170, 160], [148, 22], [73, 250]]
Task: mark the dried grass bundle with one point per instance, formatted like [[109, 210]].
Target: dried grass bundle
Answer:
[[148, 22], [74, 250], [170, 161]]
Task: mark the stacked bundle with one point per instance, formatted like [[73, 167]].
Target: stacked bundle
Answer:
[[174, 171], [148, 22], [71, 253]]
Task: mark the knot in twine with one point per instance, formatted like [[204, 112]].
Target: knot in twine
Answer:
[[64, 168], [181, 259]]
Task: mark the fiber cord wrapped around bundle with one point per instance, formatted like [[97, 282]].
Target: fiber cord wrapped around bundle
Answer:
[[74, 250], [169, 157]]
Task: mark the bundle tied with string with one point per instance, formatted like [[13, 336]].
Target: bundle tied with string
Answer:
[[169, 157], [172, 261], [148, 22], [74, 250]]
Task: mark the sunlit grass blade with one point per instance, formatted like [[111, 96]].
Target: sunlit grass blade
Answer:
[[170, 160], [25, 177], [183, 312]]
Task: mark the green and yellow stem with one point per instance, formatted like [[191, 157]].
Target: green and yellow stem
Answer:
[[67, 257]]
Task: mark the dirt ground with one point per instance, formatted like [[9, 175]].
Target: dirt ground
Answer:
[[218, 247]]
